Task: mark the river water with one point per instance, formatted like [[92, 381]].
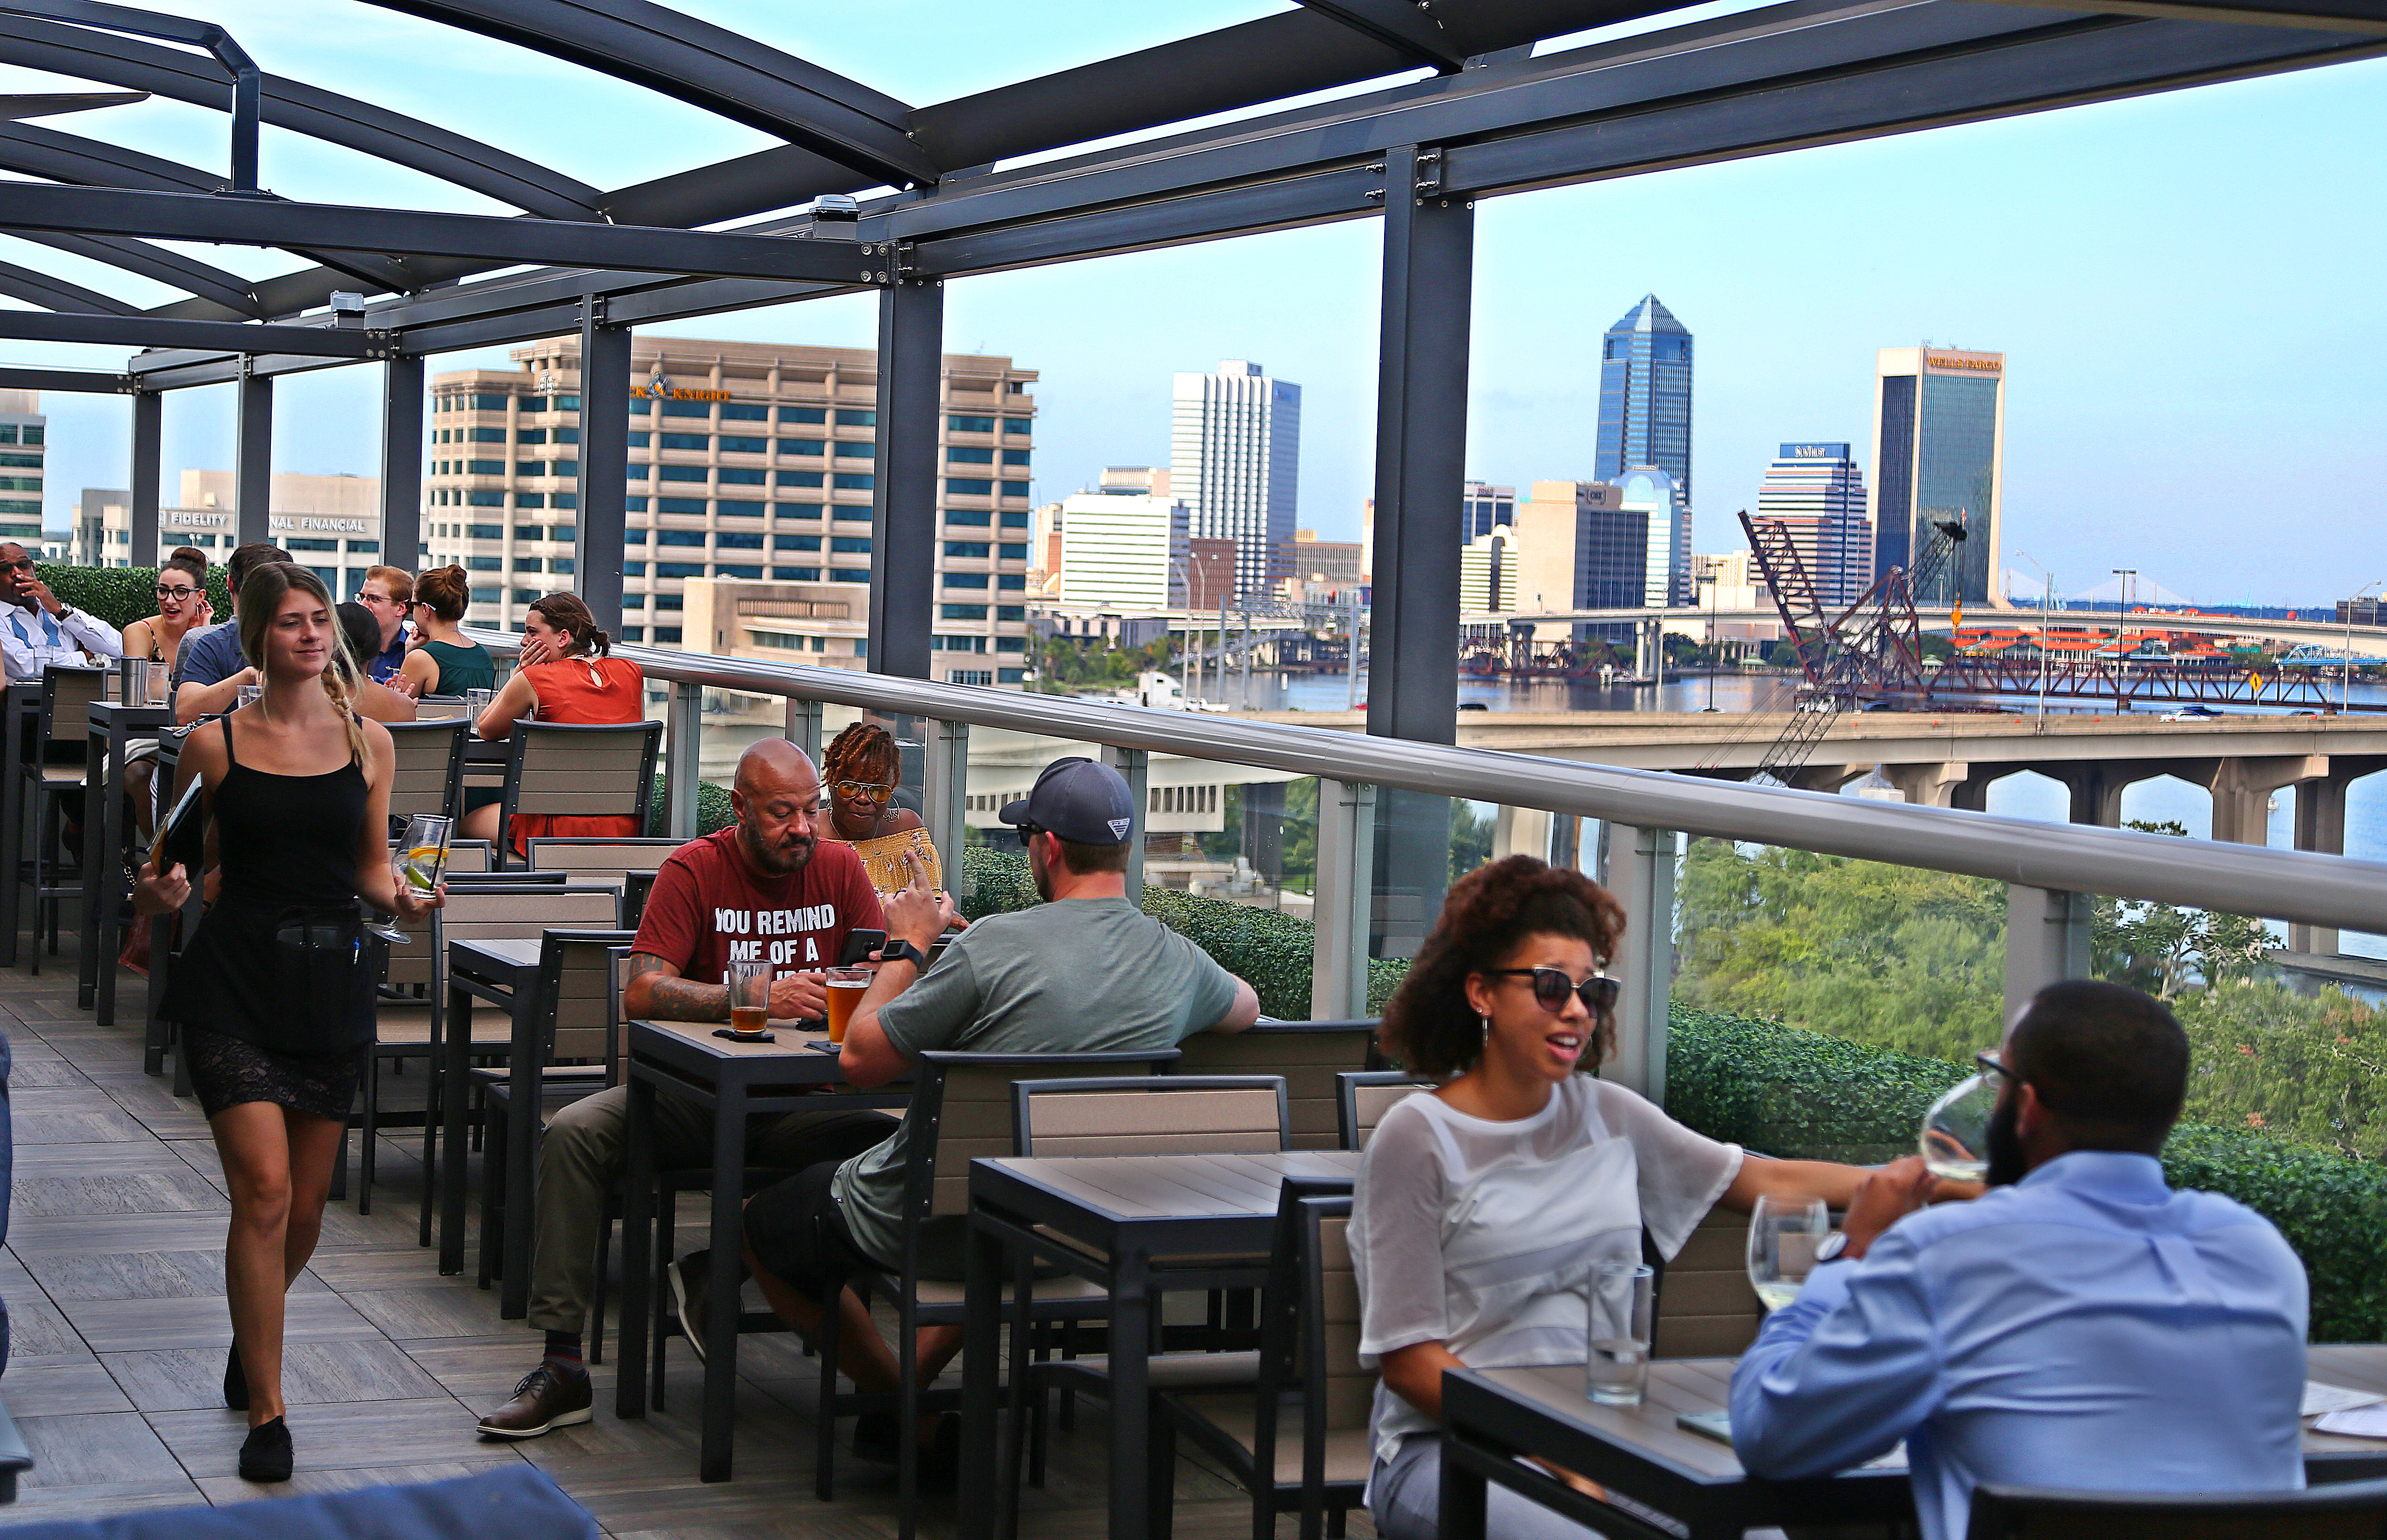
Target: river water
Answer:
[[2024, 795]]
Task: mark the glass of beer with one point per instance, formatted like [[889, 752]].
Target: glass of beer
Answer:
[[845, 987], [750, 999]]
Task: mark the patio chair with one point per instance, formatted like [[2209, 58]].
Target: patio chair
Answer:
[[1309, 1369], [2347, 1511], [1147, 1114], [963, 1106], [1363, 1096], [1705, 1307], [53, 774], [602, 860], [579, 770], [1308, 1054], [427, 773]]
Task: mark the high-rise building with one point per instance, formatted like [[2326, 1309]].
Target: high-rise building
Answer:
[[1122, 550], [1666, 560], [24, 441], [749, 462], [1486, 509], [1819, 495], [1645, 397], [1939, 437], [329, 524], [1234, 461], [1576, 546]]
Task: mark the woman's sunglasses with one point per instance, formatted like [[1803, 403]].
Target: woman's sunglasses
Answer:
[[1551, 987], [867, 791]]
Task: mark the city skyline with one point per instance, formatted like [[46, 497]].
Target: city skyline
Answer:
[[2110, 463]]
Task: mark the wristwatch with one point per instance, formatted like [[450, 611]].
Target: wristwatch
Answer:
[[904, 950], [1834, 1243]]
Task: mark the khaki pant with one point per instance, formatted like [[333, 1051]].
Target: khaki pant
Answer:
[[580, 1164]]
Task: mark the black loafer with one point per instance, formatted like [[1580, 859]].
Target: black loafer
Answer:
[[266, 1456]]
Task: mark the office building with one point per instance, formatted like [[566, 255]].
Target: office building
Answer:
[[1576, 546], [329, 524], [1733, 581], [750, 462], [1123, 551], [25, 441], [1666, 560], [1234, 461], [1210, 576], [1939, 437], [1645, 397], [1485, 508], [1321, 571], [1819, 495]]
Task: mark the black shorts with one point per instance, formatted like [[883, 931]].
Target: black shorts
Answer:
[[798, 1233]]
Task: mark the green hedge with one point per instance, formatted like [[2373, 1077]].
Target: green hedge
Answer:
[[712, 808], [1797, 1094], [120, 595]]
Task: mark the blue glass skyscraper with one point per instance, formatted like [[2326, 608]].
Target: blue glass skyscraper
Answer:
[[1645, 397]]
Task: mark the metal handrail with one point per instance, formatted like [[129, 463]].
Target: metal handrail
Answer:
[[2303, 887]]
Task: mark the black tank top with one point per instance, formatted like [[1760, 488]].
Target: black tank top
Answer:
[[288, 842]]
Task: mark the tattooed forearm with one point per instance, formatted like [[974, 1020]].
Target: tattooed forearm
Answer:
[[656, 990]]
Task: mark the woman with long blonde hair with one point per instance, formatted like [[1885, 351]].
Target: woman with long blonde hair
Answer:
[[275, 991]]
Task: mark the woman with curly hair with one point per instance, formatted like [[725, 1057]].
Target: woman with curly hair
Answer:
[[1482, 1208], [859, 774]]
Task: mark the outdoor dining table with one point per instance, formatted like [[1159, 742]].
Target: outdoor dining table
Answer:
[[112, 729], [732, 1081], [1491, 1417], [500, 973], [1142, 1225], [21, 706]]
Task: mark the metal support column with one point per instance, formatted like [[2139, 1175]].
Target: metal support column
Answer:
[[946, 792], [803, 726], [1421, 448], [252, 474], [1343, 896], [1134, 766], [683, 758], [604, 465], [1638, 867], [2046, 941], [401, 463], [148, 455], [903, 524]]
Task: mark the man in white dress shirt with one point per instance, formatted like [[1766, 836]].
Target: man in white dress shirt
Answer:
[[37, 629]]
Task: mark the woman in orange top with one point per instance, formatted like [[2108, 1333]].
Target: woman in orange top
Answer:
[[563, 673]]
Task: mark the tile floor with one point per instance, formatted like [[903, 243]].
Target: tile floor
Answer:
[[114, 1279]]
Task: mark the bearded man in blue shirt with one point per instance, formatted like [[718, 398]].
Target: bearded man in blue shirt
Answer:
[[2082, 1326]]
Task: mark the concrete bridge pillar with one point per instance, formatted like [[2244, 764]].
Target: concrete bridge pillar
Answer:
[[2320, 827], [2097, 787], [1826, 778], [1946, 784], [2242, 787]]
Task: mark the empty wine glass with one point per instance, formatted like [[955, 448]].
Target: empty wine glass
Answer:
[[1783, 1235], [1955, 1140]]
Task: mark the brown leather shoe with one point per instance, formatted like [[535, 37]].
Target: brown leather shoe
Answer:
[[545, 1400]]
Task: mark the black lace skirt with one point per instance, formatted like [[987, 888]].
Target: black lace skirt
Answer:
[[226, 1071]]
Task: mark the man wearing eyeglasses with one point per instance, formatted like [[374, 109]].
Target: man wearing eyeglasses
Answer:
[[2082, 1326], [388, 592], [40, 630]]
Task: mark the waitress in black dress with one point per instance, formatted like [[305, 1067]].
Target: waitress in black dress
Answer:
[[275, 991]]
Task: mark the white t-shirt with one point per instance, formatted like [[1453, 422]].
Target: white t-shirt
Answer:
[[1482, 1235]]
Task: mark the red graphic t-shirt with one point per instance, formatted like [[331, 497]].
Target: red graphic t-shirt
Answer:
[[707, 910]]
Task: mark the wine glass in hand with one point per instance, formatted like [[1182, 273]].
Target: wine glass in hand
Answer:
[[1955, 1142], [1783, 1235]]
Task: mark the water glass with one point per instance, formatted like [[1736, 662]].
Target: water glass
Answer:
[[1956, 1131], [477, 701], [156, 676], [1783, 1235], [1617, 1334], [249, 694]]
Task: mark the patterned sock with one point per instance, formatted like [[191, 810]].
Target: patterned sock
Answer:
[[563, 1352]]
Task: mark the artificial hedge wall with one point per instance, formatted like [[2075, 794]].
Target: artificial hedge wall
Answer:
[[712, 807], [1798, 1093], [120, 595]]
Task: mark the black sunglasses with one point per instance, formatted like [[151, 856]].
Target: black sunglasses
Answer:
[[1551, 987]]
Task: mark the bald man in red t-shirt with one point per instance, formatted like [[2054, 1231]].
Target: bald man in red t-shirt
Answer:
[[766, 888]]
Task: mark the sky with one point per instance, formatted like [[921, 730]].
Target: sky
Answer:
[[2185, 287]]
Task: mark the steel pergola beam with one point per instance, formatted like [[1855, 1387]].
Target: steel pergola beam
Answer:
[[507, 178], [708, 67], [138, 330], [250, 221], [1407, 28], [226, 291], [2335, 16], [66, 380], [56, 293]]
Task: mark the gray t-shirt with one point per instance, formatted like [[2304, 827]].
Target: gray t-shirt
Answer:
[[1079, 976], [209, 657]]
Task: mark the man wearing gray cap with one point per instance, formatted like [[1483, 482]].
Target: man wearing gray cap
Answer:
[[1086, 971]]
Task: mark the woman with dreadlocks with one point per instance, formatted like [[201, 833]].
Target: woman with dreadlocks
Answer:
[[859, 774]]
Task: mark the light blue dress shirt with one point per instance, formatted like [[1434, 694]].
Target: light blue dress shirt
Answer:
[[2087, 1328]]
